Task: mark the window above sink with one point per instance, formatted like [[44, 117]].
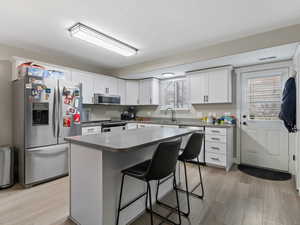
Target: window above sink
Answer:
[[174, 94]]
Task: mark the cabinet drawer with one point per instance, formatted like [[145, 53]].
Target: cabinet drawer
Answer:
[[215, 138], [215, 159], [213, 131], [214, 147]]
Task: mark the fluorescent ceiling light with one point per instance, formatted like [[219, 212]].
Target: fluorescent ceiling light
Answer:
[[167, 75], [267, 58], [95, 37]]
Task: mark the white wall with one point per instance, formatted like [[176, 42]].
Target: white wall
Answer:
[[5, 103], [286, 35]]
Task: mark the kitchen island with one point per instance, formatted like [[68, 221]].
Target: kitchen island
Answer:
[[96, 162]]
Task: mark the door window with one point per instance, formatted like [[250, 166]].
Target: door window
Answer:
[[264, 97]]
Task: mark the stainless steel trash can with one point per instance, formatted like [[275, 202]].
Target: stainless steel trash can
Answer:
[[6, 167]]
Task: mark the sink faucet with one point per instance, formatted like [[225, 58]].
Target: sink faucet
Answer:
[[173, 118]]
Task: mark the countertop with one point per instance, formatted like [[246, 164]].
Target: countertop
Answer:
[[183, 123], [129, 140]]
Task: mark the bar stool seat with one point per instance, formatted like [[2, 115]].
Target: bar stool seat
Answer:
[[162, 165], [138, 171]]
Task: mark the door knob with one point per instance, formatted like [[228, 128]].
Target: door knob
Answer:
[[244, 123]]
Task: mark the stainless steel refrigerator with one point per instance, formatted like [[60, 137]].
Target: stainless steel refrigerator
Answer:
[[46, 110]]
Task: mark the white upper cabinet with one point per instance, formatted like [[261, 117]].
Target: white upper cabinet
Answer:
[[87, 81], [213, 86], [220, 86], [132, 92], [149, 91], [111, 85], [99, 82], [199, 88], [122, 90]]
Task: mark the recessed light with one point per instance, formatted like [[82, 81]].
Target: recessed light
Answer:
[[167, 75], [95, 37], [267, 58]]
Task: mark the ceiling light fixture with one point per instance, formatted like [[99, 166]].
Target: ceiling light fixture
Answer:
[[167, 75], [95, 37]]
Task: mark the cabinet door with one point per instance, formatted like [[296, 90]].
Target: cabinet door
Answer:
[[199, 88], [111, 85], [99, 84], [122, 90], [154, 92], [87, 81], [144, 92], [132, 92], [219, 86]]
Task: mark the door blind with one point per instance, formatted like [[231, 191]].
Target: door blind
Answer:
[[264, 98]]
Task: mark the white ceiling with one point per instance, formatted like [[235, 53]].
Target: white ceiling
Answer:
[[284, 52], [158, 28]]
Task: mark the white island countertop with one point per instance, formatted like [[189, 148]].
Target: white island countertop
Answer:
[[128, 140]]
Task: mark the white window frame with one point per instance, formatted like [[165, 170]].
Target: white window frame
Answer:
[[165, 107]]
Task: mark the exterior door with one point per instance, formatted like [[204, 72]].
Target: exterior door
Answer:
[[264, 139], [40, 114], [69, 109]]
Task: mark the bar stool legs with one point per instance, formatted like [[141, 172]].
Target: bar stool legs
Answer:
[[186, 191], [166, 219], [148, 194], [199, 184]]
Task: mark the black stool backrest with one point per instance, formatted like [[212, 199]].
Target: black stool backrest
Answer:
[[193, 146], [164, 160]]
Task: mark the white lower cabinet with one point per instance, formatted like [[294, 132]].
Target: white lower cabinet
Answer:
[[219, 147], [130, 126]]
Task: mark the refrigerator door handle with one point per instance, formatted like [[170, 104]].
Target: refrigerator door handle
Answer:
[[54, 114], [59, 112]]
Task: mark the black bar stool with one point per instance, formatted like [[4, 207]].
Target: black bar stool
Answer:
[[190, 152], [162, 165]]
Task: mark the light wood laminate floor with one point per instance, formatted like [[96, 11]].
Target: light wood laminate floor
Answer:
[[231, 198]]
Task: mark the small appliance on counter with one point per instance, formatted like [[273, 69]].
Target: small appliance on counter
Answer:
[[129, 114]]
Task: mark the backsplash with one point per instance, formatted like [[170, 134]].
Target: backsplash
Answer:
[[106, 112], [103, 112], [195, 112]]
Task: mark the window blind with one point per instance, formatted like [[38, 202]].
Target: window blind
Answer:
[[264, 97]]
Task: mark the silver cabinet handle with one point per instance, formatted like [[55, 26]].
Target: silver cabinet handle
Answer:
[[216, 139], [215, 148], [150, 101], [215, 159], [215, 131]]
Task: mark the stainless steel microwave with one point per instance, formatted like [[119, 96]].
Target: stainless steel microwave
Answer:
[[107, 99]]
